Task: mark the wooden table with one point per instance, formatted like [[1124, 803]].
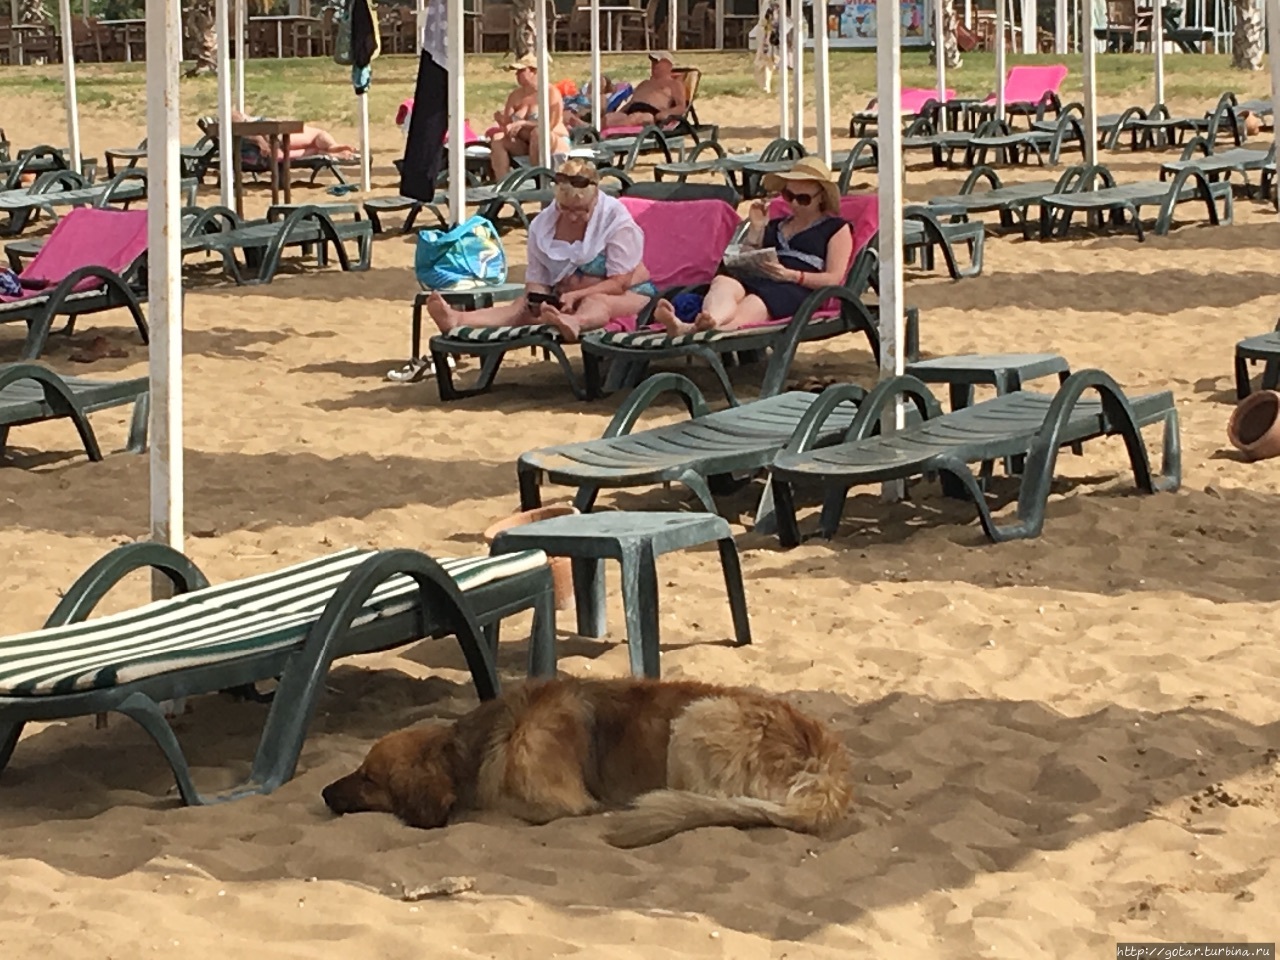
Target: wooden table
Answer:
[[277, 133], [125, 30], [280, 20]]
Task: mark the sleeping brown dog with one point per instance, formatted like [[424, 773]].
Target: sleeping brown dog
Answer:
[[682, 754]]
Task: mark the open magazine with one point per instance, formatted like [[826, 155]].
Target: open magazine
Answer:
[[748, 261]]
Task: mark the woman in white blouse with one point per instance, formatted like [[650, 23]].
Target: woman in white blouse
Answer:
[[585, 264]]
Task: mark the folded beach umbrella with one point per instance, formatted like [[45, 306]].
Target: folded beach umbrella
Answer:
[[366, 44]]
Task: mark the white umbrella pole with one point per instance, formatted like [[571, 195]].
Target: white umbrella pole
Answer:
[[940, 60], [242, 54], [1157, 34], [673, 24], [1060, 37], [719, 25], [164, 275], [1273, 38], [597, 75], [457, 111], [1089, 45], [1001, 22], [421, 13], [69, 78], [784, 73], [889, 137], [366, 161], [821, 80], [226, 142], [544, 87], [797, 67], [1029, 31]]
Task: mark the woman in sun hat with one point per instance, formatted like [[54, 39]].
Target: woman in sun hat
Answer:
[[586, 264], [814, 246], [516, 134]]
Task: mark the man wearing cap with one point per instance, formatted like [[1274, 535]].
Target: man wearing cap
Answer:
[[659, 97], [517, 130]]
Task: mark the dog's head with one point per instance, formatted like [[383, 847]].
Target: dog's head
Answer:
[[409, 773]]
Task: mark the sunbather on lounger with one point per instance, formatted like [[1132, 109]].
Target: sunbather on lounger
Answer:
[[814, 247], [311, 142], [660, 97], [517, 133], [585, 264]]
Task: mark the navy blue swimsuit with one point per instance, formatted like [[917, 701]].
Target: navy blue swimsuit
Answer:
[[807, 251]]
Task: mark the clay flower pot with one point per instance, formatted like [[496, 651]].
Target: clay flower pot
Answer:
[[561, 567], [1254, 429]]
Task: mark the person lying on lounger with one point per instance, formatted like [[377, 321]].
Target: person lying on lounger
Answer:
[[311, 142], [517, 134], [814, 246], [659, 97], [585, 264]]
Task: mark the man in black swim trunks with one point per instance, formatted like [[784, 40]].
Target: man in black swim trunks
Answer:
[[659, 97]]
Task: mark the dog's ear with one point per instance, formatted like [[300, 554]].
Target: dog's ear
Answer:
[[421, 786]]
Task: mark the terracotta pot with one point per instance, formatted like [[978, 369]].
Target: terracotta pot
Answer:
[[561, 567], [1254, 429]]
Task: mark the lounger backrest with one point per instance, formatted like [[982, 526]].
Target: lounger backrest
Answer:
[[87, 237], [683, 239], [1029, 84], [861, 211], [914, 98]]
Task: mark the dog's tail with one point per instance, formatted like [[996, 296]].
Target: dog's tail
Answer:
[[664, 813]]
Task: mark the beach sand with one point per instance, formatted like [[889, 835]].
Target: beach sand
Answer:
[[1059, 743]]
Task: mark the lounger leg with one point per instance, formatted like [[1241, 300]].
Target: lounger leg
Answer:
[[1242, 381], [698, 485], [640, 606], [542, 640], [732, 567], [589, 597], [4, 440], [832, 509], [785, 514], [1271, 375], [9, 733], [147, 714]]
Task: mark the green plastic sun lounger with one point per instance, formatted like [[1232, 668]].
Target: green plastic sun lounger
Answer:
[[708, 453], [1022, 424], [32, 393], [1012, 202], [1217, 165], [311, 227], [1099, 194], [291, 625]]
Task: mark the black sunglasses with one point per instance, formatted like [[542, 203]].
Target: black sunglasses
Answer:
[[803, 199], [575, 180]]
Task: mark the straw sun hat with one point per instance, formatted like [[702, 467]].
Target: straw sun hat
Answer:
[[807, 170], [527, 62]]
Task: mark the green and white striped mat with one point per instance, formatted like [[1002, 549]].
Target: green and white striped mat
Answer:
[[268, 612]]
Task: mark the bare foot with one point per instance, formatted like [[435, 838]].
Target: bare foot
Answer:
[[567, 324], [445, 316], [704, 322], [664, 313]]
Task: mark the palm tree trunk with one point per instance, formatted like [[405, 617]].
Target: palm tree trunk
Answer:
[[523, 37], [1247, 43], [200, 36], [950, 48], [32, 11]]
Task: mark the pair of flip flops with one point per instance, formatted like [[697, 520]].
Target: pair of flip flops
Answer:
[[416, 369]]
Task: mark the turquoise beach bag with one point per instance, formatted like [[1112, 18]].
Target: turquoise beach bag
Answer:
[[470, 255]]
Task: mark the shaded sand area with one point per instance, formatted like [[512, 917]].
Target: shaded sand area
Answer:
[[1060, 743]]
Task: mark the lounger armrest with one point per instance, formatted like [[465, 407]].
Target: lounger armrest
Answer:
[[807, 431], [92, 585], [980, 173], [885, 393], [646, 393]]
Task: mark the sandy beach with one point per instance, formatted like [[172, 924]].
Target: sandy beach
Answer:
[[1060, 743]]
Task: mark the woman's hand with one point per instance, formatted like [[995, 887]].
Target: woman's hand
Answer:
[[570, 300], [777, 271], [758, 215]]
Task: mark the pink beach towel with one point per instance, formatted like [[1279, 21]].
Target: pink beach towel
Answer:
[[1030, 84], [860, 211], [684, 241], [86, 237]]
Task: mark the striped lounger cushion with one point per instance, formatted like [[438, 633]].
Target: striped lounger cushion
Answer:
[[260, 614], [501, 334]]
